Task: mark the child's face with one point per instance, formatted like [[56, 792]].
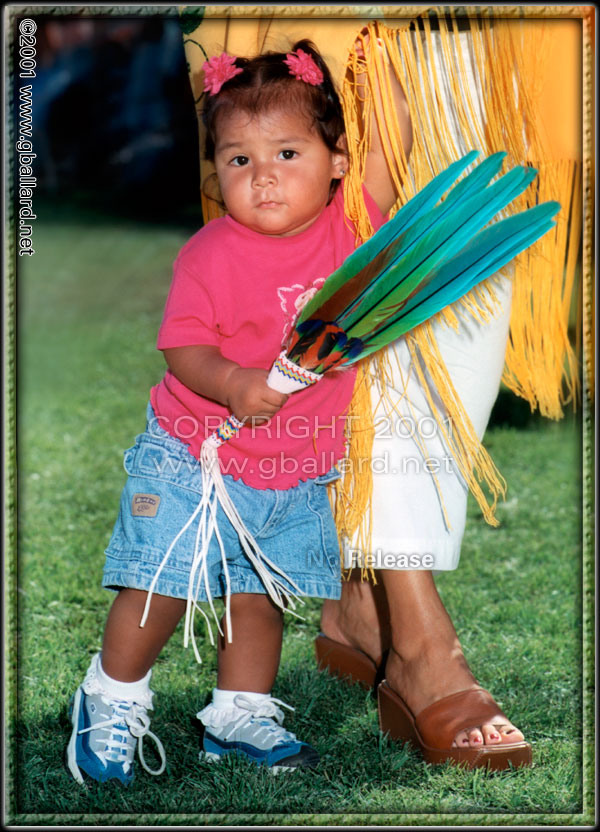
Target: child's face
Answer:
[[274, 171]]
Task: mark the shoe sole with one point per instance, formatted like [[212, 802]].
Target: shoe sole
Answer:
[[211, 757], [72, 746], [346, 663]]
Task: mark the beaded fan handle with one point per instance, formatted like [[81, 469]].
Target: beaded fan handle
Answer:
[[285, 377]]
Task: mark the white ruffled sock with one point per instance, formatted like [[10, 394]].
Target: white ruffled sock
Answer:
[[97, 680], [225, 698], [223, 709]]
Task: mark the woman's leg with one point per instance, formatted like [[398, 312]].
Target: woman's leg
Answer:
[[426, 661], [361, 618]]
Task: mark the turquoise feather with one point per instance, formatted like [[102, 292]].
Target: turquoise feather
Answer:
[[413, 210], [492, 249], [380, 251], [423, 259], [434, 238]]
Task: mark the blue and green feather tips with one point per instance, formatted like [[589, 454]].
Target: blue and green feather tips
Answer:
[[426, 257]]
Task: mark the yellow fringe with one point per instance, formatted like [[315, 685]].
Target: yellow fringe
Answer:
[[539, 354], [351, 510], [541, 365]]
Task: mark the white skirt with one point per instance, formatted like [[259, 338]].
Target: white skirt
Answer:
[[417, 524]]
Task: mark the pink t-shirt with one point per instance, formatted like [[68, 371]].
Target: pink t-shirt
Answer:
[[241, 291]]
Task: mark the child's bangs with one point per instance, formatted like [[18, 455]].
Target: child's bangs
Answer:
[[276, 96]]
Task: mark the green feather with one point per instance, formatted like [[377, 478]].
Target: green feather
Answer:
[[370, 257], [419, 262], [436, 237], [486, 254]]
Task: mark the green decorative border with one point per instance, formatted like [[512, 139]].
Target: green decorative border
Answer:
[[472, 821], [9, 455], [589, 394], [189, 17]]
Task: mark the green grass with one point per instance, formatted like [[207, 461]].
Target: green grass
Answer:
[[90, 303]]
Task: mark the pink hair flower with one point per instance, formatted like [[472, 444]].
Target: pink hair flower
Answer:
[[303, 67], [218, 70]]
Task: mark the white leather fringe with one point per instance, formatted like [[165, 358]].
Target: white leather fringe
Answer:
[[286, 377]]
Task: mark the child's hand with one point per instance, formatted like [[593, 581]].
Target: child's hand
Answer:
[[250, 397]]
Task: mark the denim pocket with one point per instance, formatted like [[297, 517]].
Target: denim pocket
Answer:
[[163, 459]]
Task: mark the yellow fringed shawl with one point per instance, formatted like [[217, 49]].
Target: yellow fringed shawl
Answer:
[[507, 56]]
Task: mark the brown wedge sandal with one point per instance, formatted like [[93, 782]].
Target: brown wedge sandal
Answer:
[[433, 730], [348, 663]]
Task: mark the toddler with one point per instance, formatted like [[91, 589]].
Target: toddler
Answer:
[[275, 133]]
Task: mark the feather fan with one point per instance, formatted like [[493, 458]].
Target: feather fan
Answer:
[[423, 259]]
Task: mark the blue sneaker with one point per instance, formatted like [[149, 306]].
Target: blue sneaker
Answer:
[[105, 734], [253, 730]]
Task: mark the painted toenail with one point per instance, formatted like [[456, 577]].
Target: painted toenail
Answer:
[[476, 739], [495, 736]]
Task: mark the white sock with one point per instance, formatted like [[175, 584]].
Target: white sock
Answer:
[[138, 691], [222, 710], [223, 699]]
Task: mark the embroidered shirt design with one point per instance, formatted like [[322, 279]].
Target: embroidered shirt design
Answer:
[[292, 299]]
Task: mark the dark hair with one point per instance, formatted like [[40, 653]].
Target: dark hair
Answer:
[[266, 84]]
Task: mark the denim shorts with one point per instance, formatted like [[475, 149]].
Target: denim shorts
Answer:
[[293, 527]]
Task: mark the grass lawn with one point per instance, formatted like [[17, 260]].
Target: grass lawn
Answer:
[[89, 305]]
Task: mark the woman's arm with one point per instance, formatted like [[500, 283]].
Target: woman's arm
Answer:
[[207, 372], [378, 179]]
